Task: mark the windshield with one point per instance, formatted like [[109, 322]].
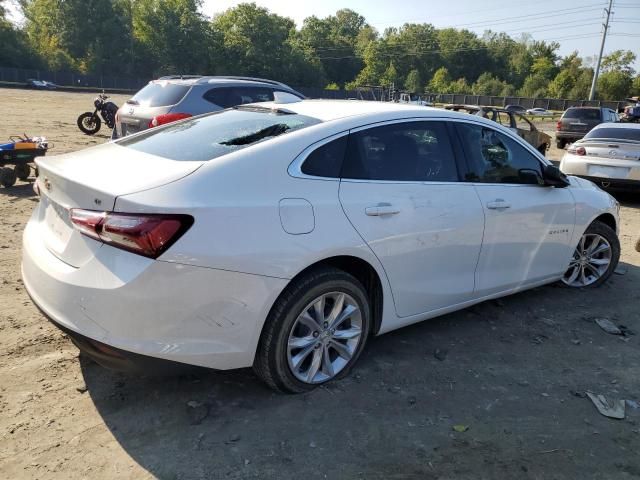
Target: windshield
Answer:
[[583, 113], [160, 94], [615, 133], [216, 134]]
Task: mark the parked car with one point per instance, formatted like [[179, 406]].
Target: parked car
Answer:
[[515, 109], [414, 99], [516, 122], [575, 122], [175, 97], [283, 236], [40, 84], [608, 155], [539, 112]]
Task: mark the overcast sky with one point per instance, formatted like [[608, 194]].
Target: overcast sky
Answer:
[[575, 24]]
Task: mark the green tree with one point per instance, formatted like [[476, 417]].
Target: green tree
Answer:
[[390, 75], [487, 84], [440, 82], [413, 82]]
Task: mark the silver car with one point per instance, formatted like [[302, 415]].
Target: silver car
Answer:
[[608, 155], [175, 97]]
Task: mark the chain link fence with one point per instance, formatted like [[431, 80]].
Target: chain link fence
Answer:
[[75, 80]]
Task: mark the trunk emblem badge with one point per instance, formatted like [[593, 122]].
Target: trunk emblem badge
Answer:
[[613, 153], [47, 184]]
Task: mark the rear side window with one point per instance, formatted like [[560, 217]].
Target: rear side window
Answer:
[[227, 97], [160, 94], [411, 151], [583, 113], [326, 161], [494, 157], [615, 133], [214, 135]]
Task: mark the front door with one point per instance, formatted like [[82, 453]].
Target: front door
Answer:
[[528, 227], [400, 189]]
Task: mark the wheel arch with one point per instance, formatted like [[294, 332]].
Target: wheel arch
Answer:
[[608, 219], [360, 269]]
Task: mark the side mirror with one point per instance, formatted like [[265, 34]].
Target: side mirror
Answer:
[[530, 176], [554, 177]]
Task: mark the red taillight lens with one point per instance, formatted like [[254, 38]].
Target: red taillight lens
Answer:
[[148, 235], [577, 150], [167, 118], [559, 125]]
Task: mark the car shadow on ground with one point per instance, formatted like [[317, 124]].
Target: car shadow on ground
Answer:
[[511, 371], [19, 190]]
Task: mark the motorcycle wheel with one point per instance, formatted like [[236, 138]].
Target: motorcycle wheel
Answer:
[[89, 123]]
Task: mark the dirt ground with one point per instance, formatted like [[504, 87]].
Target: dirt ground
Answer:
[[512, 372]]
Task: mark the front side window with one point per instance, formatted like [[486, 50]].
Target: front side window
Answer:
[[494, 157], [523, 124], [411, 151]]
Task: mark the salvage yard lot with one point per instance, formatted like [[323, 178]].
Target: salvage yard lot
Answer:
[[509, 375]]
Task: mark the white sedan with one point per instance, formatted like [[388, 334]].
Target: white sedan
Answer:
[[283, 236], [539, 112], [608, 155]]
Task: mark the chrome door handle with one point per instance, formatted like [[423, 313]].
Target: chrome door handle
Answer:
[[498, 204], [381, 209]]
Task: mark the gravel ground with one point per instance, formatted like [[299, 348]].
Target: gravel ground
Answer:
[[493, 391]]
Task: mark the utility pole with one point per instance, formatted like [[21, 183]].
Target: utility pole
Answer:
[[592, 93]]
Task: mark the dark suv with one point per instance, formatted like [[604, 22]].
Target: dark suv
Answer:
[[576, 122], [180, 96]]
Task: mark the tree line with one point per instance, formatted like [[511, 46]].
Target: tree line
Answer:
[[149, 38]]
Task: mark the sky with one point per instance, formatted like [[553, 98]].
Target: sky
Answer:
[[575, 24]]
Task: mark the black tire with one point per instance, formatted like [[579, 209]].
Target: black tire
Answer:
[[543, 149], [89, 123], [7, 177], [604, 230], [560, 143], [22, 171], [271, 363]]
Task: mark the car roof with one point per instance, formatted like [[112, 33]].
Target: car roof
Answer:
[[633, 126], [327, 110], [211, 79]]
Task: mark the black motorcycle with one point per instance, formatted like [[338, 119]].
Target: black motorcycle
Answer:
[[90, 123]]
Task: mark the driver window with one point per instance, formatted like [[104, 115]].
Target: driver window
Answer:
[[494, 157], [410, 151], [523, 124]]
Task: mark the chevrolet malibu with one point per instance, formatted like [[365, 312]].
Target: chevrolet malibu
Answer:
[[283, 236]]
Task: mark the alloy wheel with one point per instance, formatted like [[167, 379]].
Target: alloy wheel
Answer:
[[591, 260], [324, 337]]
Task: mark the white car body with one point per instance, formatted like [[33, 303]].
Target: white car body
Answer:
[[539, 112], [607, 159], [259, 222]]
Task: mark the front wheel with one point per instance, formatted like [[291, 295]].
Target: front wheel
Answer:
[[560, 143], [315, 332], [22, 171], [89, 123], [594, 258]]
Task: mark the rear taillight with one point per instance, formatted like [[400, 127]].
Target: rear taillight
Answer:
[[167, 118], [148, 235], [577, 150], [559, 125]]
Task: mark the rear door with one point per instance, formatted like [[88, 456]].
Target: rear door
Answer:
[[528, 227], [400, 189]]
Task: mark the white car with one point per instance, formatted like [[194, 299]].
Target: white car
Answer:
[[539, 112], [608, 155], [283, 236]]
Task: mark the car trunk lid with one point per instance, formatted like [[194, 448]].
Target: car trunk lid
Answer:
[[93, 182]]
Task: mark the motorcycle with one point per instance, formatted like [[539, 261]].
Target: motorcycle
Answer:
[[90, 122]]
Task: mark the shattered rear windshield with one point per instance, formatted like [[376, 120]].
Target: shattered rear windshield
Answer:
[[214, 135]]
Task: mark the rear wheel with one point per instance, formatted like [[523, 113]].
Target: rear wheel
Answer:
[[560, 143], [594, 258], [315, 332], [89, 123], [22, 171], [7, 177]]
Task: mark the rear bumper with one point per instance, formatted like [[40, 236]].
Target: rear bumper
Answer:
[[569, 136], [606, 173], [192, 315]]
